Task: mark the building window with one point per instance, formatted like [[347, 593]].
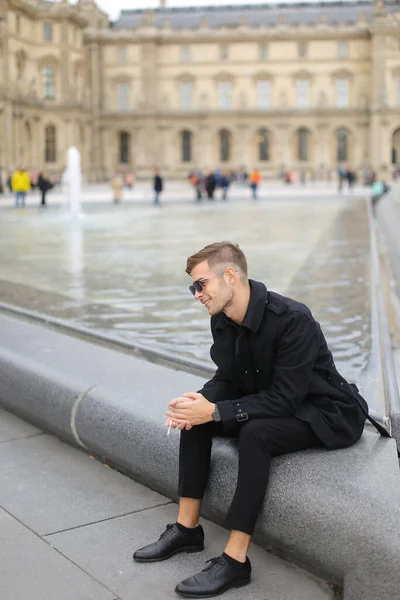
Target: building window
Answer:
[[342, 145], [186, 95], [342, 93], [49, 84], [303, 140], [225, 95], [122, 54], [47, 32], [263, 144], [185, 53], [262, 51], [302, 49], [50, 144], [224, 52], [17, 24], [123, 101], [186, 146], [263, 94], [303, 93], [224, 145], [343, 49], [124, 139]]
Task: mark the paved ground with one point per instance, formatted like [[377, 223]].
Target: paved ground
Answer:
[[69, 525]]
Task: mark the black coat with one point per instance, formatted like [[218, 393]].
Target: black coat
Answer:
[[277, 364], [44, 184], [210, 183], [158, 183]]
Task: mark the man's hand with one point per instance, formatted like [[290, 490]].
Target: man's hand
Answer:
[[190, 408], [178, 424]]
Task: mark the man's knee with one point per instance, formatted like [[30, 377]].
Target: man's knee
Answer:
[[255, 430]]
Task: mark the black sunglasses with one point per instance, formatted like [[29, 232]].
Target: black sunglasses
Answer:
[[197, 286]]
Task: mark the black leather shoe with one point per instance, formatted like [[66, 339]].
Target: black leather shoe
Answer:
[[220, 575], [172, 541]]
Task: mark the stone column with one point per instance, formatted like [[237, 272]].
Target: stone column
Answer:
[[322, 159], [243, 147], [208, 155], [378, 89], [64, 65], [282, 148], [96, 92]]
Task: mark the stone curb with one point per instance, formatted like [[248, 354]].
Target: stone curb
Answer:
[[335, 513], [388, 218]]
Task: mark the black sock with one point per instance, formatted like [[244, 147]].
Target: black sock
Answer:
[[232, 561], [186, 529]]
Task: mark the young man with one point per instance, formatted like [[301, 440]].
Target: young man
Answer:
[[276, 389]]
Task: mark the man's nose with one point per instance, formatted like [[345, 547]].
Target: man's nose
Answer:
[[197, 295]]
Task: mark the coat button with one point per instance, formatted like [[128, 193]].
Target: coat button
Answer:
[[245, 371]]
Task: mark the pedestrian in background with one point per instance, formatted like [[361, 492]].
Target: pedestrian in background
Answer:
[[195, 180], [44, 186], [158, 187], [210, 185], [224, 184], [117, 184], [255, 180], [21, 184], [342, 175], [351, 178]]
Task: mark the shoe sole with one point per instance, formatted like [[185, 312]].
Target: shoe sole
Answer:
[[187, 549], [225, 589]]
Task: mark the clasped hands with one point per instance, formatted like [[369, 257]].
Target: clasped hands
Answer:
[[188, 410]]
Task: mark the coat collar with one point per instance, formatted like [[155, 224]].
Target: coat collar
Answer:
[[255, 309]]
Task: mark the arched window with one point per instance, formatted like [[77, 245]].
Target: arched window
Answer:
[[342, 145], [224, 145], [124, 139], [186, 146], [50, 153], [263, 144], [303, 143], [396, 147]]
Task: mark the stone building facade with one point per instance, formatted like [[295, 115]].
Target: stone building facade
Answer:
[[300, 87]]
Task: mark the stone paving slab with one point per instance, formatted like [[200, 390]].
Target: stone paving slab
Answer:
[[110, 561], [93, 561], [30, 569], [12, 428], [60, 487]]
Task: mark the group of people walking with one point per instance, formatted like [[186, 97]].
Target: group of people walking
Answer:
[[118, 182], [217, 179], [19, 183]]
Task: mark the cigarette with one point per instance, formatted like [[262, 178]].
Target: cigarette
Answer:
[[169, 427]]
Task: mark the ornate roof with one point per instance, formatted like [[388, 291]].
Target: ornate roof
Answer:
[[301, 14]]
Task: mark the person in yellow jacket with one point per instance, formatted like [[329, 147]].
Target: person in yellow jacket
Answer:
[[20, 184]]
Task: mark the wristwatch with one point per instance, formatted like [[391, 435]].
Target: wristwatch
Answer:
[[216, 416]]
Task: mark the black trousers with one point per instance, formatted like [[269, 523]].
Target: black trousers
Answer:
[[258, 441]]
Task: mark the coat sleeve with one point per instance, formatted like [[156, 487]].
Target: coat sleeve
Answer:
[[219, 388], [296, 354]]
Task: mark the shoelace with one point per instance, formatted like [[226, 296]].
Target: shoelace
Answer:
[[217, 561], [167, 532]]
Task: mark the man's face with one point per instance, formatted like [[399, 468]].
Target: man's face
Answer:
[[216, 294]]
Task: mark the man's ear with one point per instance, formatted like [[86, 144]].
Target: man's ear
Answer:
[[231, 274]]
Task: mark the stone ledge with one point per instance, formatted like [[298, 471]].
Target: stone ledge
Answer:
[[335, 513]]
